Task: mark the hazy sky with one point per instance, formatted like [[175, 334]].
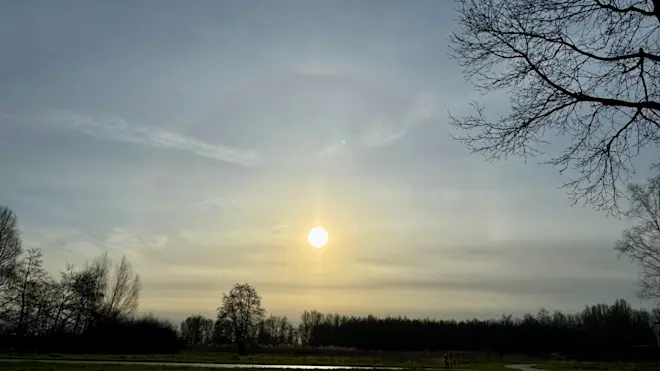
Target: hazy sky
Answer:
[[202, 139]]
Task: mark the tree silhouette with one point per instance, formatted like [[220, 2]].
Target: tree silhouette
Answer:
[[585, 70], [309, 321], [241, 314], [10, 250], [30, 284], [122, 297], [276, 331], [598, 332], [197, 330], [641, 243], [86, 310]]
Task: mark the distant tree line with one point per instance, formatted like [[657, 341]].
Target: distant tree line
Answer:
[[87, 309], [600, 330]]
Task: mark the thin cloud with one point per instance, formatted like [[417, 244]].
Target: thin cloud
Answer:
[[574, 288], [569, 286], [118, 129], [384, 132]]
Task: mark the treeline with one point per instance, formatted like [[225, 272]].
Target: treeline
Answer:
[[87, 309], [603, 331], [599, 330]]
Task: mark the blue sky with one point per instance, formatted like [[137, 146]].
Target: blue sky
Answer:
[[203, 139]]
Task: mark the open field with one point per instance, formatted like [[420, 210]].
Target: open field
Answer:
[[44, 366], [407, 361], [297, 356], [317, 360], [38, 366], [264, 359]]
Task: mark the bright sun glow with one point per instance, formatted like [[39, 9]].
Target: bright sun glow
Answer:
[[317, 237]]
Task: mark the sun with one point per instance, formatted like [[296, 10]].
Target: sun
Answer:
[[317, 237]]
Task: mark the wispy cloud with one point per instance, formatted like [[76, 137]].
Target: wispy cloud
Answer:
[[573, 287], [385, 131], [581, 290], [121, 130]]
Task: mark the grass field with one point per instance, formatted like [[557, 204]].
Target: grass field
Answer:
[[263, 359], [295, 356], [38, 366], [44, 366], [409, 362]]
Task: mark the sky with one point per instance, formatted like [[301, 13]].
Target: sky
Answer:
[[203, 139]]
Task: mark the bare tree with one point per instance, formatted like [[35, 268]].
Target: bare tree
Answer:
[[95, 294], [587, 71], [197, 330], [242, 313], [64, 299], [10, 249], [31, 283], [641, 243], [90, 285], [309, 321], [277, 331], [122, 298]]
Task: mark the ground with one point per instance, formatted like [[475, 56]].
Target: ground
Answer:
[[271, 359], [43, 366], [427, 363], [39, 366], [35, 366]]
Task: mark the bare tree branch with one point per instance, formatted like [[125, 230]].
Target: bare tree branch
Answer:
[[585, 71], [10, 250], [630, 8], [641, 243]]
